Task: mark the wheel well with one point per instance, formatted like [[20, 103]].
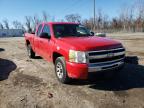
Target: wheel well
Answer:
[[55, 56]]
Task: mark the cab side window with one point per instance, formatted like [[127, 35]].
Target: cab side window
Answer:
[[39, 30], [46, 29]]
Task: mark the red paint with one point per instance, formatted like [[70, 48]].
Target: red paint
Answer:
[[46, 48], [77, 71]]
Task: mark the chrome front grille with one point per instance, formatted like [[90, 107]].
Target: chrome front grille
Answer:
[[102, 56]]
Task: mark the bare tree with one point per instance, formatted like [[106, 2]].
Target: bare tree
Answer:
[[28, 23], [6, 23], [99, 19], [1, 26], [35, 21], [124, 16], [73, 18], [88, 23], [114, 23], [105, 22], [17, 25], [45, 16], [140, 10], [130, 18]]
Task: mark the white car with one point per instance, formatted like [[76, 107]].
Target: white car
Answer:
[[100, 34]]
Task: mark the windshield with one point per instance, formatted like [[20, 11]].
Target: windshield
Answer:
[[66, 30]]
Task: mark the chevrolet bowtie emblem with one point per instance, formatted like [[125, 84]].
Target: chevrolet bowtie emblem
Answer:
[[110, 55]]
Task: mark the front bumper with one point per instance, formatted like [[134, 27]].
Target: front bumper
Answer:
[[105, 66], [81, 71], [77, 71]]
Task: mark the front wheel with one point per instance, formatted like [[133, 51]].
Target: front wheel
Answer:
[[30, 51], [60, 70]]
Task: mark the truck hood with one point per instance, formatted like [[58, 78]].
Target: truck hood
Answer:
[[90, 43]]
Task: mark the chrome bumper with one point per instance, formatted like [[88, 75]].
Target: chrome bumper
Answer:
[[105, 65]]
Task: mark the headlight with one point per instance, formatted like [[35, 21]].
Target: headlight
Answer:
[[77, 56]]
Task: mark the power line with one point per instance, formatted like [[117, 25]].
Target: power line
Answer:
[[72, 5]]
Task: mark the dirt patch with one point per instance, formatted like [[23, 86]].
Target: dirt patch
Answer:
[[121, 93], [111, 105], [27, 81], [31, 83], [135, 53]]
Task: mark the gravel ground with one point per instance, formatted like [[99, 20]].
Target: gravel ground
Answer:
[[31, 83]]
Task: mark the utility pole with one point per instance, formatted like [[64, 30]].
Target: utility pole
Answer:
[[94, 17]]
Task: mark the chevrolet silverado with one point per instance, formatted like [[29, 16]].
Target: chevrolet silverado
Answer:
[[74, 50]]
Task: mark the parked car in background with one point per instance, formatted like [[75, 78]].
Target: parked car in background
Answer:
[[100, 34]]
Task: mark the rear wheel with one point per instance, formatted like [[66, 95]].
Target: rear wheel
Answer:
[[30, 51], [60, 70]]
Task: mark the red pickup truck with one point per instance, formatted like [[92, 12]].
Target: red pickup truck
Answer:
[[74, 50]]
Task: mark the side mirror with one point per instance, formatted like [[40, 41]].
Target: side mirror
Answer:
[[45, 35], [92, 33]]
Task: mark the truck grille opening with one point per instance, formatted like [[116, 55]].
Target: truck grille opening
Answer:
[[93, 53], [106, 59], [103, 55]]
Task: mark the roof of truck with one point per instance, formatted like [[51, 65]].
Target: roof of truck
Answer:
[[59, 23]]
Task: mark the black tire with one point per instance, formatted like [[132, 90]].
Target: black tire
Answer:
[[30, 51], [60, 70]]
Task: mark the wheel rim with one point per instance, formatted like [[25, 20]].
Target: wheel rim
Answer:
[[59, 70]]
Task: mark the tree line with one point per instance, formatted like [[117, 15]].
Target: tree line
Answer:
[[129, 19]]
